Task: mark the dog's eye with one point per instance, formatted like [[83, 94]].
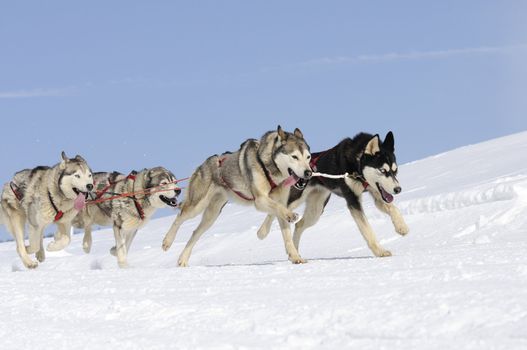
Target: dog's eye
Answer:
[[382, 171], [77, 176], [295, 157], [308, 157], [90, 176]]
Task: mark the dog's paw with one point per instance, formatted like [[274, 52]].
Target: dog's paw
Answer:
[[41, 255], [30, 264], [123, 264], [401, 228], [292, 218], [86, 246], [54, 246], [382, 253], [297, 260], [166, 244], [182, 263], [263, 231]]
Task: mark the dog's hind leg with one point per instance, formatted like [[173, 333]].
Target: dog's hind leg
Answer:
[[265, 228], [315, 203], [62, 238], [16, 224], [290, 248], [189, 210], [394, 213], [367, 232], [210, 215]]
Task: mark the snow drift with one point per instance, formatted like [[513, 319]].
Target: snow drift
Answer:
[[457, 280]]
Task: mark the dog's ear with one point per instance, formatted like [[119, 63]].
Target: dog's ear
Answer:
[[80, 159], [373, 146], [64, 160], [388, 142], [298, 133], [281, 133]]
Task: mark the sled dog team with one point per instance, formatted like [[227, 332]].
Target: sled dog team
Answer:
[[276, 174]]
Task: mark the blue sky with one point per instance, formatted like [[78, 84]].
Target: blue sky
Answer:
[[132, 84]]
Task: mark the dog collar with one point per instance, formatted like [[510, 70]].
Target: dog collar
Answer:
[[267, 174]]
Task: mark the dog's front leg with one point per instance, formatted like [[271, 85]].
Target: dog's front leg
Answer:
[[129, 238], [290, 248], [33, 238], [367, 232], [120, 246], [61, 239], [87, 239], [394, 213], [263, 203]]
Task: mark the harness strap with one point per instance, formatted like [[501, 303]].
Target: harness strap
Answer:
[[355, 176], [15, 190], [138, 206], [238, 193], [59, 213]]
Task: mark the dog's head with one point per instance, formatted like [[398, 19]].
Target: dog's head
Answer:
[[292, 156], [76, 177], [164, 189], [379, 167]]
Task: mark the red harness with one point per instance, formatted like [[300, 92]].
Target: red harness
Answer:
[[138, 206], [238, 193], [16, 191]]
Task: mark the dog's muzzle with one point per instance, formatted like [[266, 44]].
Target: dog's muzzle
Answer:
[[171, 202], [301, 182]]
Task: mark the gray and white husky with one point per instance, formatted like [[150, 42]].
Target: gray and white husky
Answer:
[[373, 168], [155, 189], [42, 196], [260, 173]]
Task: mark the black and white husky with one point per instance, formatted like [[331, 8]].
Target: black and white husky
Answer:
[[372, 167]]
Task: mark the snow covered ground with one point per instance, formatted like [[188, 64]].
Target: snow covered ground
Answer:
[[458, 280]]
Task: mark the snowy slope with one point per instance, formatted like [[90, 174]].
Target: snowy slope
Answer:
[[458, 280]]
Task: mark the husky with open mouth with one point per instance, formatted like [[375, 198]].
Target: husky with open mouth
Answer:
[[155, 188], [372, 167], [260, 173], [41, 196]]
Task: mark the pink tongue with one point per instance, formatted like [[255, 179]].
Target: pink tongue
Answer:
[[79, 202], [290, 181], [388, 197]]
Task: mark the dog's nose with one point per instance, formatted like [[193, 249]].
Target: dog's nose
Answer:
[[173, 202], [178, 192], [89, 187], [397, 190], [308, 174]]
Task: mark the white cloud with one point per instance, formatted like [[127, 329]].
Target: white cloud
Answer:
[[41, 92], [412, 55]]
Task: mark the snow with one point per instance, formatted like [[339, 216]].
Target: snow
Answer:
[[457, 280]]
